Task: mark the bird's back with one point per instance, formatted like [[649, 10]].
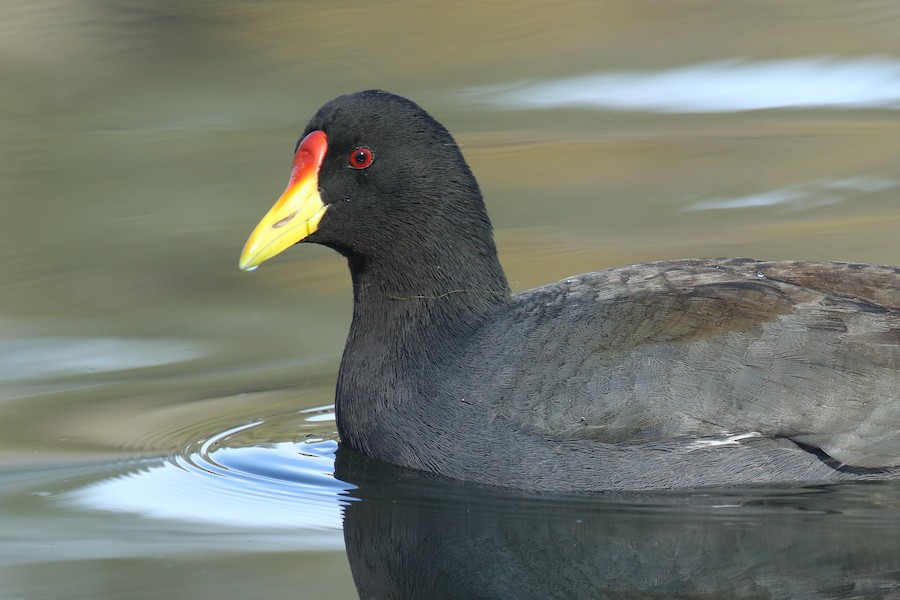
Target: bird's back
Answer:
[[705, 349]]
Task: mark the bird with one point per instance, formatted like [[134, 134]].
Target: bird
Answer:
[[689, 373]]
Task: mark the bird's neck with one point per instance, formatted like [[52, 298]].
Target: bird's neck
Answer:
[[414, 311]]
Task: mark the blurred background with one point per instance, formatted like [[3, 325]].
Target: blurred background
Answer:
[[141, 142]]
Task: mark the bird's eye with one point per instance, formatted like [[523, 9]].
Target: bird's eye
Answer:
[[361, 157]]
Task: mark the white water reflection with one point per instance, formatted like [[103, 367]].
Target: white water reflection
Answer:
[[719, 87], [283, 486], [802, 197]]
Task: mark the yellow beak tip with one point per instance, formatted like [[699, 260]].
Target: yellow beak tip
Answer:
[[247, 265], [250, 258]]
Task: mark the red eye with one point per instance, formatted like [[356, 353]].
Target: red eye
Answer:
[[361, 157]]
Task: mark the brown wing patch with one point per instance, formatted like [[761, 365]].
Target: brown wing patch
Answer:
[[698, 313], [869, 283]]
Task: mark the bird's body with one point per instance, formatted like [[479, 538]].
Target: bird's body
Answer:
[[671, 374]]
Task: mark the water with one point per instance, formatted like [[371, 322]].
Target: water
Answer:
[[726, 86], [165, 420]]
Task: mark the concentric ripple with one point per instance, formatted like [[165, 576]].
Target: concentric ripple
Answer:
[[233, 480]]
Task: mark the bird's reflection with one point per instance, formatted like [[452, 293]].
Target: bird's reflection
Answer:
[[411, 535]]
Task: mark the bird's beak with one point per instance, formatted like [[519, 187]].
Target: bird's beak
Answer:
[[297, 213]]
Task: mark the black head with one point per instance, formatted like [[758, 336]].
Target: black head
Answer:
[[374, 176]]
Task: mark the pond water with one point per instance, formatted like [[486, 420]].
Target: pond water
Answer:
[[166, 428]]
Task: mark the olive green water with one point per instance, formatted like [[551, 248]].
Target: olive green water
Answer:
[[165, 429]]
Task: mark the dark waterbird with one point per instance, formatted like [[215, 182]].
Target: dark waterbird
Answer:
[[671, 374]]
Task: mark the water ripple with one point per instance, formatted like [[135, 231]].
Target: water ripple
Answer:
[[281, 485]]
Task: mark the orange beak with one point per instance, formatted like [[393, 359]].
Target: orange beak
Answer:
[[297, 213]]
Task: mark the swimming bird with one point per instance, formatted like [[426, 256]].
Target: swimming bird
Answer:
[[683, 373]]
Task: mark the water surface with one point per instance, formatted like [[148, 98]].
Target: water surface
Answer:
[[165, 420]]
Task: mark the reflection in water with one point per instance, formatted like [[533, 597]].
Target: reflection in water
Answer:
[[721, 86], [54, 356], [415, 535], [802, 197], [278, 485], [418, 537]]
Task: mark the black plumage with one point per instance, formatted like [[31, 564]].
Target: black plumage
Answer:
[[672, 374]]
